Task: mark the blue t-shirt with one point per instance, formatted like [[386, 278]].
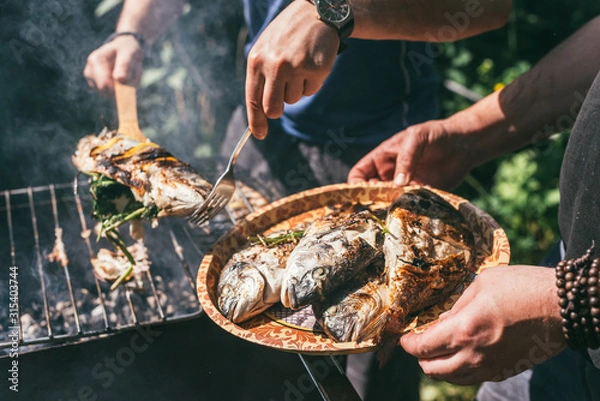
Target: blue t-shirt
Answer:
[[376, 88]]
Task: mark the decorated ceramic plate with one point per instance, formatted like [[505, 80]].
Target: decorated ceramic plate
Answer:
[[297, 331]]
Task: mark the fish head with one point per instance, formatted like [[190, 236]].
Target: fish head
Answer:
[[339, 321], [308, 288], [240, 290], [346, 320]]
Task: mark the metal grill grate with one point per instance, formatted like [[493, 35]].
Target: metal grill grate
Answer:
[[67, 302]]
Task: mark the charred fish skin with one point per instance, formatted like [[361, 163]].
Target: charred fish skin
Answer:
[[346, 313], [429, 251], [251, 281], [154, 176], [345, 320], [331, 252], [438, 218]]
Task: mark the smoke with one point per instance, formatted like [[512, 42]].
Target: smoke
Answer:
[[192, 81], [46, 105]]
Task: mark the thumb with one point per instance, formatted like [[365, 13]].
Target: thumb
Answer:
[[435, 341], [408, 158]]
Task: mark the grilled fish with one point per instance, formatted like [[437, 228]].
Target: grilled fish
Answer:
[[251, 280], [429, 251], [155, 177], [346, 313], [332, 251]]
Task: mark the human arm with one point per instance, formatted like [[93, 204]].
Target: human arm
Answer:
[[431, 21], [295, 53], [121, 59], [541, 102], [506, 321]]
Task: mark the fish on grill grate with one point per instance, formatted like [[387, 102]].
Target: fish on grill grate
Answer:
[[156, 178], [131, 180]]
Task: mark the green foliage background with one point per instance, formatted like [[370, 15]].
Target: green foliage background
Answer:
[[519, 190]]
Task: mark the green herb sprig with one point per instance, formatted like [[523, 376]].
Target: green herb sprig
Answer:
[[113, 204], [273, 240], [380, 222]]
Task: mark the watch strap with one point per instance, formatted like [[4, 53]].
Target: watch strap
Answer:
[[345, 30]]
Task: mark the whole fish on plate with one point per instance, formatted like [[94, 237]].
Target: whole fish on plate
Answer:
[[332, 251], [251, 280], [429, 251], [350, 309], [156, 178]]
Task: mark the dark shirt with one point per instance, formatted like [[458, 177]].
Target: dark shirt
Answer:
[[579, 212]]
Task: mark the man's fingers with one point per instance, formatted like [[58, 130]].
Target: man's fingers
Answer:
[[273, 96], [257, 120], [440, 359], [98, 69], [452, 368], [385, 165], [379, 165], [312, 86], [89, 76], [362, 171], [103, 77], [293, 91], [408, 155], [127, 67]]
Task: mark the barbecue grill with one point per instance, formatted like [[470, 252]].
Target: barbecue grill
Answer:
[[61, 300]]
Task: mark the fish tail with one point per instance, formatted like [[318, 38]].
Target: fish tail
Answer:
[[373, 330]]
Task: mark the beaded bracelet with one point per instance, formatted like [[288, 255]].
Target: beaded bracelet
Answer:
[[577, 282]]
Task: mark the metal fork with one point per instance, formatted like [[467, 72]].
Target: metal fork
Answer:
[[223, 190]]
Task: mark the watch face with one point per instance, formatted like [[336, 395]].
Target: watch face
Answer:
[[333, 10]]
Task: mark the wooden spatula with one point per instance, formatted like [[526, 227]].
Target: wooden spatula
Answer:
[[127, 112]]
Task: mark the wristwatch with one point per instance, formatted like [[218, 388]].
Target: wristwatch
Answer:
[[337, 14]]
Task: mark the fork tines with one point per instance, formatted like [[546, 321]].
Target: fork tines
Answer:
[[209, 209]]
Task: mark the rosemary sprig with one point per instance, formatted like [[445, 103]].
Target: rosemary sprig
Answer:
[[115, 221], [121, 278], [117, 241], [273, 240], [380, 222]]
